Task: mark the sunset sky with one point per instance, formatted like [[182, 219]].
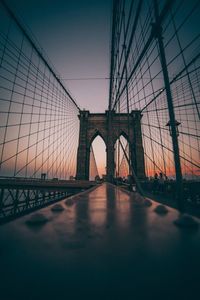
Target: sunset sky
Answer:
[[76, 38], [75, 35]]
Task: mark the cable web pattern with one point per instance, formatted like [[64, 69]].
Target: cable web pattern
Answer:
[[138, 81], [39, 126]]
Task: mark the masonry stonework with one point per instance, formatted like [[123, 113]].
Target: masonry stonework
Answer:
[[110, 126]]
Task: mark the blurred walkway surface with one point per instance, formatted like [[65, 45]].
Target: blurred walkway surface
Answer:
[[106, 244]]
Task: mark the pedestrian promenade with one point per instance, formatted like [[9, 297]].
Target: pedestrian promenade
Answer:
[[104, 243]]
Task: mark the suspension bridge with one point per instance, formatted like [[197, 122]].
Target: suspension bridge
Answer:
[[154, 74], [150, 128]]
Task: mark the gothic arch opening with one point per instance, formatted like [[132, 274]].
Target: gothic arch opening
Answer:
[[109, 127], [121, 164], [97, 158]]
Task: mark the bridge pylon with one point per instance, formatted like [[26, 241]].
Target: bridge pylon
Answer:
[[110, 126]]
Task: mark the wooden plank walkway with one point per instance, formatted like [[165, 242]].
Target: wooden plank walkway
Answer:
[[105, 244]]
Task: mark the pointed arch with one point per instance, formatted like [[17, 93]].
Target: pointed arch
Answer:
[[97, 164], [122, 168], [124, 134], [98, 124], [93, 136]]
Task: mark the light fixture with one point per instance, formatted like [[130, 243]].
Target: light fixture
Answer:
[[170, 127]]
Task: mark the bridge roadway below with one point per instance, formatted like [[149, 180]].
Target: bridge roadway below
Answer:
[[26, 183], [105, 244]]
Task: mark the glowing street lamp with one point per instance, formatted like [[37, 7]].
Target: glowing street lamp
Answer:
[[176, 126]]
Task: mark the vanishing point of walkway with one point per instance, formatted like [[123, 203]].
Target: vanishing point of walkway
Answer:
[[105, 244]]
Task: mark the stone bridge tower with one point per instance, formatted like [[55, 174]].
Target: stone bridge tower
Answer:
[[110, 126]]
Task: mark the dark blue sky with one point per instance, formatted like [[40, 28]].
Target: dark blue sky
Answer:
[[76, 37]]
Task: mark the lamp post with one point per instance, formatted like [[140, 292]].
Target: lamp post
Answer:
[[176, 123], [183, 220], [157, 29]]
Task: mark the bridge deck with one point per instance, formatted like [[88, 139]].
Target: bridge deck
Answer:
[[31, 183], [106, 245]]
